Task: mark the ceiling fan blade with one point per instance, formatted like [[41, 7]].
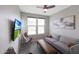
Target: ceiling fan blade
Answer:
[[52, 6], [45, 7]]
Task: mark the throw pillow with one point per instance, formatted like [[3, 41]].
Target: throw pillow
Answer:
[[71, 44]]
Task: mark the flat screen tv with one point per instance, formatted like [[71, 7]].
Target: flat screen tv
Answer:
[[17, 28]]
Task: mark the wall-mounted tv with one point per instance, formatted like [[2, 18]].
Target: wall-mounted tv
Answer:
[[17, 28]]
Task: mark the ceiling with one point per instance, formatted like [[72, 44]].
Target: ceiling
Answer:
[[34, 10]]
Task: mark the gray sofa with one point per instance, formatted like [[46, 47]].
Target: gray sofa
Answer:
[[64, 44]]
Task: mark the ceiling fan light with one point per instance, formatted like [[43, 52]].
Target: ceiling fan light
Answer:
[[45, 10]]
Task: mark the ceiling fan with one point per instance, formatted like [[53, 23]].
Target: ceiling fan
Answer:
[[46, 7]]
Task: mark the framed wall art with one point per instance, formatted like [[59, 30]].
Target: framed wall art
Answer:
[[66, 22]]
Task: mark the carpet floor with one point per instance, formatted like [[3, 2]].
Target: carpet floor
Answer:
[[31, 48]]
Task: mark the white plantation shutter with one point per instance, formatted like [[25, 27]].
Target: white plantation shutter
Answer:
[[35, 26]]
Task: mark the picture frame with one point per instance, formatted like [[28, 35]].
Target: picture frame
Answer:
[[66, 22]]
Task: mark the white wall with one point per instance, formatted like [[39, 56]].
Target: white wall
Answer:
[[7, 13], [24, 20], [73, 10]]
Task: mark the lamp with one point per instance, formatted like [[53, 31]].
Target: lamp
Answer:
[[45, 10]]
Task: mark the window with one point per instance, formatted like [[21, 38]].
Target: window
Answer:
[[41, 23], [31, 26], [35, 26]]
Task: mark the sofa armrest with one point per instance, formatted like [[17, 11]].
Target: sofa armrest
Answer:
[[74, 49]]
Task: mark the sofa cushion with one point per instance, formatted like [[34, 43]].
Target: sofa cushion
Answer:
[[56, 37], [50, 39], [68, 41], [61, 46]]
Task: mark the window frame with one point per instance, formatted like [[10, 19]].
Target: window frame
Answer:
[[36, 25], [41, 25]]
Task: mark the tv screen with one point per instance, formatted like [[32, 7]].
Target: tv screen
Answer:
[[17, 28]]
